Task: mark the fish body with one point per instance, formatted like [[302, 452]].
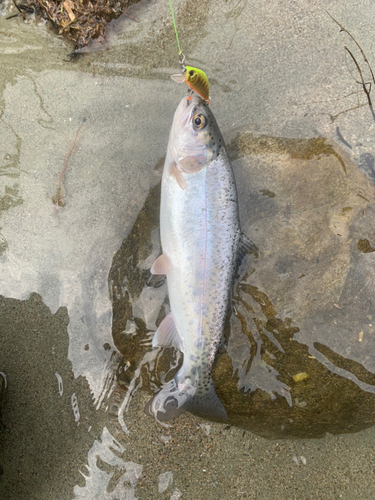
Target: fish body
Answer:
[[201, 237], [196, 80]]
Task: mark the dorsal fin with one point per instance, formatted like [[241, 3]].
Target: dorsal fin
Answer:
[[245, 247]]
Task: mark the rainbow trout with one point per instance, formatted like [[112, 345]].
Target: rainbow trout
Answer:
[[201, 241]]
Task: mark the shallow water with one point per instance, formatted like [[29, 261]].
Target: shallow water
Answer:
[[299, 360]]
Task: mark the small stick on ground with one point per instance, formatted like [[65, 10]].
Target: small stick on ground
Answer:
[[363, 83], [355, 41], [57, 198], [366, 86], [19, 10], [22, 10]]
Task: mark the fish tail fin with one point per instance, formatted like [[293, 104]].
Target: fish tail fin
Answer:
[[171, 401], [207, 404], [167, 404]]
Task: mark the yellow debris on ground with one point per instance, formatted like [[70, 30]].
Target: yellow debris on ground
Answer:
[[300, 376]]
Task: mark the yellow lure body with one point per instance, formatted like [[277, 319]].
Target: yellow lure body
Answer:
[[197, 80]]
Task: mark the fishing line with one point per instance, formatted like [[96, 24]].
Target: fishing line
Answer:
[[195, 78], [175, 28]]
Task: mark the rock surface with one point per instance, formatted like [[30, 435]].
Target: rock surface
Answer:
[[298, 361]]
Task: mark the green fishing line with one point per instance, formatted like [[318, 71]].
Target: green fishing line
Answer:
[[175, 28], [195, 78]]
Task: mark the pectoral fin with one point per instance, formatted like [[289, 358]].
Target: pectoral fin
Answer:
[[178, 176], [167, 334], [161, 265]]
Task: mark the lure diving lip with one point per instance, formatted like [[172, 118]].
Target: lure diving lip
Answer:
[[196, 80]]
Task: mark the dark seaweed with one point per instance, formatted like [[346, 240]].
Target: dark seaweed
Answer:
[[79, 21]]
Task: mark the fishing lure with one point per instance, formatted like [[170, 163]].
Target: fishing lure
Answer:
[[195, 78]]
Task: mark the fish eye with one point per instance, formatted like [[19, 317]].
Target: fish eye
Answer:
[[191, 73], [199, 121]]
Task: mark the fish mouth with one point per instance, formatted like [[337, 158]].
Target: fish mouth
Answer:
[[186, 108], [194, 100]]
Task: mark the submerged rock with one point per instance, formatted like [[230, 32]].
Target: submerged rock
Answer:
[[299, 357]]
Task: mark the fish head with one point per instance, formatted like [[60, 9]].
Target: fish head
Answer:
[[195, 138]]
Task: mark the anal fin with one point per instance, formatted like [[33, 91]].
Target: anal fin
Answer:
[[167, 334]]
